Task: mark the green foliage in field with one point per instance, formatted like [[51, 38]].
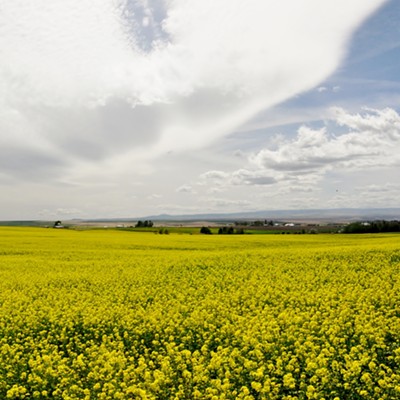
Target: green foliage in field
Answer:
[[126, 315]]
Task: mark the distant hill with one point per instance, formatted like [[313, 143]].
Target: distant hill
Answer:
[[27, 223], [328, 215], [340, 215]]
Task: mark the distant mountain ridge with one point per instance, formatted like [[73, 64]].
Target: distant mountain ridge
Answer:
[[348, 214], [317, 215]]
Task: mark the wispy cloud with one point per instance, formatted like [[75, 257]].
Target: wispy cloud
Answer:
[[60, 213], [106, 102], [88, 80], [185, 189], [227, 204]]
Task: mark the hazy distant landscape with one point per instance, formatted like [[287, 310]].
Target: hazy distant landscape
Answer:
[[321, 216]]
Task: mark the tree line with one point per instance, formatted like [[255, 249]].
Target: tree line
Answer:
[[372, 227], [226, 230], [144, 224]]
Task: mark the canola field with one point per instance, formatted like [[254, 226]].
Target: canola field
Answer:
[[103, 314]]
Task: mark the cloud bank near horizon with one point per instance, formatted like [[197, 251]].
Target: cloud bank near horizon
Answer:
[[370, 142], [84, 82]]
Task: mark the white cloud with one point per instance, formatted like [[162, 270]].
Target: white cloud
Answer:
[[383, 124], [371, 142], [387, 187], [239, 177], [334, 89], [95, 80], [214, 175], [227, 204], [248, 177], [185, 189]]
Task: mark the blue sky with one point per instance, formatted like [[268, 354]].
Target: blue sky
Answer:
[[137, 107]]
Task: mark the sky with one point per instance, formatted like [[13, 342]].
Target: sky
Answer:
[[129, 108]]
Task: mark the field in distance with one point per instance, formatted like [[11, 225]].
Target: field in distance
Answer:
[[114, 314]]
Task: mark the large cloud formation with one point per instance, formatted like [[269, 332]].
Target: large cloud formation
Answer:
[[86, 80], [371, 141]]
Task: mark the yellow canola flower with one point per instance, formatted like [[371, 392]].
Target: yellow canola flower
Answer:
[[111, 314]]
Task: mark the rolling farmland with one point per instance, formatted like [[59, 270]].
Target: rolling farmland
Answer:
[[107, 314]]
